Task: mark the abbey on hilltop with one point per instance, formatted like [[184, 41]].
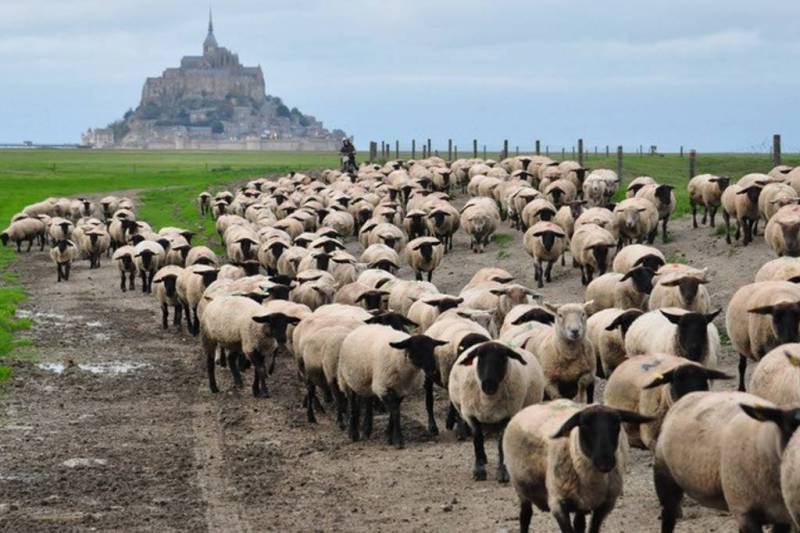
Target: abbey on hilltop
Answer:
[[213, 102]]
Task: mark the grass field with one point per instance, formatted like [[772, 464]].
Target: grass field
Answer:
[[168, 182]]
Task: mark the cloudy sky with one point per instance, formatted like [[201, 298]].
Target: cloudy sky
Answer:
[[712, 75]]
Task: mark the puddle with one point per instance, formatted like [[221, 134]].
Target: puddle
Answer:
[[111, 367]]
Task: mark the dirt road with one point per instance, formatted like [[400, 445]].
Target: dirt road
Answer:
[[128, 438]]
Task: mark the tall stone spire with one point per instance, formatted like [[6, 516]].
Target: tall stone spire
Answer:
[[211, 42]]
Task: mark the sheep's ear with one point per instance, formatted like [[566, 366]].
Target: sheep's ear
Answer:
[[793, 359], [711, 316], [661, 379], [499, 292], [763, 310], [469, 359], [513, 354], [671, 283], [401, 345], [633, 418], [588, 306], [158, 280], [675, 319], [763, 413], [571, 423], [712, 374]]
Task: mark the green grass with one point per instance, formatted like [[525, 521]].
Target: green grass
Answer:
[[166, 183]]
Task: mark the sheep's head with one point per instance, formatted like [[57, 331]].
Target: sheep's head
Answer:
[[537, 314], [438, 217], [545, 214], [276, 324], [419, 350], [790, 231], [63, 244], [721, 181], [571, 320], [686, 378], [600, 252], [688, 284], [492, 363], [425, 248], [630, 216], [598, 432], [752, 192], [548, 237], [443, 303], [322, 260], [642, 279], [664, 194], [392, 319], [651, 261], [515, 294], [693, 332], [373, 299], [624, 321], [787, 420], [785, 317], [4, 237], [384, 264], [169, 281]]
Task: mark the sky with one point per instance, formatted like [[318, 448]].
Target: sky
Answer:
[[715, 76]]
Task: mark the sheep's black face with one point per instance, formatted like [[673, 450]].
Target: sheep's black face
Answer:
[[624, 321], [136, 239], [693, 332], [93, 238], [147, 258], [548, 239], [388, 241], [4, 237], [343, 201], [688, 378], [169, 285], [372, 299], [277, 248], [419, 350], [600, 253], [785, 321], [653, 262], [790, 238], [642, 279], [246, 246], [688, 288], [438, 218], [62, 246], [664, 194], [384, 264], [426, 251], [251, 268], [279, 292], [598, 435], [127, 262], [165, 244], [469, 341], [364, 214], [65, 228], [546, 214], [447, 303], [492, 364], [323, 261], [184, 251], [276, 325], [209, 277]]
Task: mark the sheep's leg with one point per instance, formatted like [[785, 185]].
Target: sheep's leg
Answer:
[[392, 403], [366, 427], [589, 274], [738, 233], [579, 522], [563, 259], [272, 362], [548, 273], [196, 326], [309, 401], [30, 245], [432, 429], [233, 363], [669, 495], [749, 523], [143, 275], [122, 281], [502, 471], [260, 373], [418, 275], [176, 320], [748, 232], [452, 418], [713, 214], [754, 231], [222, 359], [341, 404], [525, 515], [598, 515], [562, 517], [651, 237], [742, 371], [132, 281], [58, 272], [164, 316], [209, 348], [355, 408], [727, 219], [430, 275], [781, 528], [479, 470], [694, 214], [590, 392], [664, 229], [66, 271]]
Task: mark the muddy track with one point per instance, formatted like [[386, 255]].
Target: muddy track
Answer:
[[149, 449]]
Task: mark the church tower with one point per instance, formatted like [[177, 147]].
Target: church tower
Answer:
[[210, 44]]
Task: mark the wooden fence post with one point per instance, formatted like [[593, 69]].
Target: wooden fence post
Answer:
[[547, 150], [424, 152], [397, 149], [564, 152], [538, 147], [429, 148], [449, 149], [692, 163], [607, 151], [580, 152], [619, 162], [776, 150], [681, 150], [484, 151], [516, 151], [455, 151], [475, 148], [413, 148], [504, 155]]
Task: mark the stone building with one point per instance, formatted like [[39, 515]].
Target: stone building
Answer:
[[209, 101]]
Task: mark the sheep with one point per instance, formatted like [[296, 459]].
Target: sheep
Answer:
[[638, 254], [636, 185], [544, 242], [561, 192], [761, 316], [566, 457], [314, 292], [663, 198], [496, 298], [489, 384], [376, 360], [675, 331], [424, 254], [741, 202], [600, 216], [460, 333], [708, 446], [147, 255], [594, 190], [592, 249], [537, 210], [388, 234], [682, 287], [637, 220], [781, 269], [706, 190], [192, 283], [443, 221], [204, 203], [626, 291], [241, 326], [775, 196], [25, 229], [606, 331], [776, 376], [403, 294], [480, 223], [63, 253], [495, 274], [123, 256], [95, 243], [415, 224], [356, 293], [781, 232], [790, 475], [565, 353], [638, 385], [427, 309], [60, 229], [382, 257], [166, 294]]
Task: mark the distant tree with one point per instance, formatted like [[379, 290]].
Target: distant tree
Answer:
[[128, 113], [150, 111], [304, 121], [283, 111], [119, 129], [217, 127]]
